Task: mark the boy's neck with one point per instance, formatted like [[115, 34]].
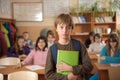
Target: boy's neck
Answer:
[[64, 41]]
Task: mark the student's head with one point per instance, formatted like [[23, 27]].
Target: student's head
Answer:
[[113, 42], [64, 25], [20, 41], [97, 38], [41, 43], [25, 35], [114, 32], [91, 35], [50, 36]]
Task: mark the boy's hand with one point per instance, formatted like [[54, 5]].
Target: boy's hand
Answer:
[[64, 67], [72, 77]]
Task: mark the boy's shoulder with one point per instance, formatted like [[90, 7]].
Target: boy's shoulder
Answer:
[[76, 44]]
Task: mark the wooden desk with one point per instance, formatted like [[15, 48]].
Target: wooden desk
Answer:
[[94, 59], [10, 69], [102, 71]]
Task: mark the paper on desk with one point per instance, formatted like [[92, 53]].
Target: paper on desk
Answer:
[[1, 67], [34, 67], [114, 65]]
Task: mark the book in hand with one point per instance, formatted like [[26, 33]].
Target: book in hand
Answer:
[[68, 57]]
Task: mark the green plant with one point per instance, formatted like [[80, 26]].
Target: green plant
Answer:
[[82, 9], [73, 10], [105, 11], [114, 5], [95, 9]]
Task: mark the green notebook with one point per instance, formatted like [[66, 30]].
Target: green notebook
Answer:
[[69, 57]]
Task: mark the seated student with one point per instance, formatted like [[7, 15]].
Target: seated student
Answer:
[[110, 53], [97, 45], [28, 42], [90, 39], [39, 54], [114, 32], [50, 38], [19, 49]]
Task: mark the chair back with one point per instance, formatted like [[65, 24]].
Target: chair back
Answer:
[[9, 61], [23, 75], [1, 76], [114, 73]]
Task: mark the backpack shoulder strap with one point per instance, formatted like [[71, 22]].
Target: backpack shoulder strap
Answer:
[[77, 47], [53, 50]]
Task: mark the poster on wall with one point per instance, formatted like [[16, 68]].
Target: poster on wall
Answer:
[[53, 8], [5, 9], [24, 11]]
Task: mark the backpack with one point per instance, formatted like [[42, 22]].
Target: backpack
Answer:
[[76, 45]]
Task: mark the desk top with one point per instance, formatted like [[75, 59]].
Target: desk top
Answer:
[[10, 69], [102, 66], [93, 56]]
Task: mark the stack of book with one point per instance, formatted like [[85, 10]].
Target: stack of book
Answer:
[[103, 19], [79, 19], [68, 57]]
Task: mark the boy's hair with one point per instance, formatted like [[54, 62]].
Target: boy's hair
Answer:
[[41, 38], [50, 33], [91, 33], [25, 32], [65, 19], [98, 35]]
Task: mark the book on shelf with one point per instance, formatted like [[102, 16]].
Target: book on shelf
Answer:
[[108, 19], [68, 57], [98, 30], [83, 19], [79, 20], [99, 20], [75, 19]]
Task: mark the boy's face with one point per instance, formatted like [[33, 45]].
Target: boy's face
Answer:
[[63, 31], [50, 38], [26, 36], [97, 39]]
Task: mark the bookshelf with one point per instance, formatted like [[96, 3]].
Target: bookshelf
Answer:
[[102, 24]]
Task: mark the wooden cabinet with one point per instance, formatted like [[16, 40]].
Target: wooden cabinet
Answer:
[[102, 24]]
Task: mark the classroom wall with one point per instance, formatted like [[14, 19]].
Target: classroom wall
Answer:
[[34, 28]]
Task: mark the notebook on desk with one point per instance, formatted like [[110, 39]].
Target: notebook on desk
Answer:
[[69, 57]]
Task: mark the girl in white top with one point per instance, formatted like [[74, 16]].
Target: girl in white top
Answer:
[[97, 45]]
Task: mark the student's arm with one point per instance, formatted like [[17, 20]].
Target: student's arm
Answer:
[[86, 65], [109, 59], [12, 53], [27, 50], [50, 69], [29, 58], [90, 49]]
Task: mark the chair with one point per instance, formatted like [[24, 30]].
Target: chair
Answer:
[[23, 75], [9, 61], [114, 73], [1, 76]]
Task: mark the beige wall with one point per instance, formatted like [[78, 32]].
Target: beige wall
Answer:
[[34, 28]]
